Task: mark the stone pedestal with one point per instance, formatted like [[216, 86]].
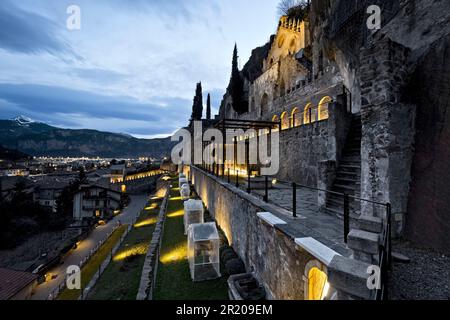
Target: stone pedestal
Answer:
[[326, 175], [349, 278], [365, 245]]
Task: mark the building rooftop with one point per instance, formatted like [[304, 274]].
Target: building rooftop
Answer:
[[12, 282]]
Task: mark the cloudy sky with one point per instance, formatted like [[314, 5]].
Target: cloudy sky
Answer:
[[133, 65]]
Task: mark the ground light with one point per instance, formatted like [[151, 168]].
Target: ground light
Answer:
[[177, 254], [147, 222]]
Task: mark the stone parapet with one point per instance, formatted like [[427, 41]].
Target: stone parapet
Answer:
[[350, 277]]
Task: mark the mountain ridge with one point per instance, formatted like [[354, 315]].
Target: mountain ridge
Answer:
[[40, 139]]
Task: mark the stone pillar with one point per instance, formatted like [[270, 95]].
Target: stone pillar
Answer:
[[349, 278], [387, 130], [325, 178], [339, 121], [338, 124]]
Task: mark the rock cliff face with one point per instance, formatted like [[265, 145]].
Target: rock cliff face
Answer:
[[399, 79], [39, 139]]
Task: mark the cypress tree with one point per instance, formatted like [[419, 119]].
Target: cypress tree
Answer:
[[236, 87], [197, 107], [208, 107]]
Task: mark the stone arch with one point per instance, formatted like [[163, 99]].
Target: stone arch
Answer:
[[323, 108], [285, 123], [308, 114], [295, 118], [275, 119], [316, 281], [264, 104]]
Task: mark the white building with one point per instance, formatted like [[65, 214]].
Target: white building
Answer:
[[95, 202]]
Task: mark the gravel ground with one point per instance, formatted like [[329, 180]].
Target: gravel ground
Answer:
[[27, 253], [426, 277]]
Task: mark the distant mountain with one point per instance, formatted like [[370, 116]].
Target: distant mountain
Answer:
[[40, 139], [12, 155]]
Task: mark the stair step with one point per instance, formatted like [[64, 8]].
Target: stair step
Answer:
[[353, 145], [354, 176], [338, 201], [344, 187], [350, 166], [351, 151], [351, 159], [346, 180]]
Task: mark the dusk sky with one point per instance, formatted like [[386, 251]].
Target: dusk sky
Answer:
[[133, 66]]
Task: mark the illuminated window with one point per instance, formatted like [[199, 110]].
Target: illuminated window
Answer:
[[284, 121], [97, 213], [316, 281], [295, 116], [323, 108], [307, 114], [275, 119]]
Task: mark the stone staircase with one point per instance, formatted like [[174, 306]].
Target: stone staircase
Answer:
[[348, 173]]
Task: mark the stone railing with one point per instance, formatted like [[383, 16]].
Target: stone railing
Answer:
[[279, 249]]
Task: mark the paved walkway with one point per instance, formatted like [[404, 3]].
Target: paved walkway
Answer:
[[136, 205], [311, 221]]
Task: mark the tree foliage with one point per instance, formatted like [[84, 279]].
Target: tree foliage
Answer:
[[208, 107], [236, 87], [21, 217], [296, 9], [197, 106]]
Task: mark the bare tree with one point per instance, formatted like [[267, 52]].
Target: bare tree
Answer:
[[289, 7]]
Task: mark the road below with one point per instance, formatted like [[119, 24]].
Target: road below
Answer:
[[43, 291]]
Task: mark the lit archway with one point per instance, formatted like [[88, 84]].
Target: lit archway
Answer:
[[275, 119], [323, 108], [316, 281], [307, 114], [284, 121], [295, 116]]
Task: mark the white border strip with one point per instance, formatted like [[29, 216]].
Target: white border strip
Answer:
[[317, 249], [269, 218]]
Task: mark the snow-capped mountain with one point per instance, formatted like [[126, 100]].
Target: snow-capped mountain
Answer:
[[23, 120]]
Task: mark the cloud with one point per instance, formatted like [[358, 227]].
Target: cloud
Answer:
[[79, 109], [170, 10], [141, 59], [26, 32]]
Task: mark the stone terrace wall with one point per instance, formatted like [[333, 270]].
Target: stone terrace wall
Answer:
[[268, 250], [387, 129], [302, 148]]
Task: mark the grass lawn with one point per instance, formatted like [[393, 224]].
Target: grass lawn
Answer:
[[173, 281], [121, 279], [92, 266]]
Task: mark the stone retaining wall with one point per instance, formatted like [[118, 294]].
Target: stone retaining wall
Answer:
[[261, 234], [311, 144], [150, 267]]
